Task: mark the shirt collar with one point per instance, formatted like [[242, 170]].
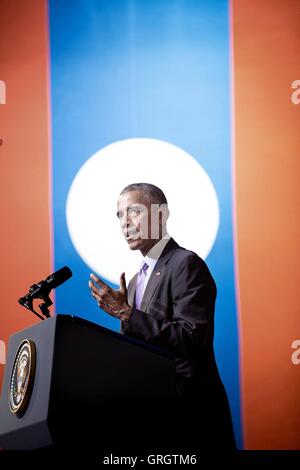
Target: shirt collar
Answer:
[[155, 252]]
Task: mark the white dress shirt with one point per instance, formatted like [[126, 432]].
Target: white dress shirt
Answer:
[[152, 256]]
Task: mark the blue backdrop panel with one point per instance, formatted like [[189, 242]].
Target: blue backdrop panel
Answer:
[[140, 68]]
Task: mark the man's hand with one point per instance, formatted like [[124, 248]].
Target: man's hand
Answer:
[[113, 302]]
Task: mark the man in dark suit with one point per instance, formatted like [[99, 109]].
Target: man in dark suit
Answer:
[[170, 303]]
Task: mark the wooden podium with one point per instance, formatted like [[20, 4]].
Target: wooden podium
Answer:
[[86, 386]]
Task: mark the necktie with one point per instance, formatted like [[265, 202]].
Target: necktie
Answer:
[[140, 285]]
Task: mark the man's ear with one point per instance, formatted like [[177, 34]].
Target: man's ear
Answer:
[[163, 214]]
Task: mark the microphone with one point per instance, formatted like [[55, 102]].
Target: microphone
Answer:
[[42, 289], [58, 278]]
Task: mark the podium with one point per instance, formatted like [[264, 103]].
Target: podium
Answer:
[[87, 386]]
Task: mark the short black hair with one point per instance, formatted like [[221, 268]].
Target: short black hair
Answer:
[[153, 194]]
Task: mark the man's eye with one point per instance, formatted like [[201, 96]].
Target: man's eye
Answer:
[[134, 212]]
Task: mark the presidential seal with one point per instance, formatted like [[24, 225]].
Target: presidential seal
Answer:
[[22, 377]]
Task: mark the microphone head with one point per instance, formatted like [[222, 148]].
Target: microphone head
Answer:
[[59, 277]]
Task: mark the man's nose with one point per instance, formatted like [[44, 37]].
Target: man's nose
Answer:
[[125, 221]]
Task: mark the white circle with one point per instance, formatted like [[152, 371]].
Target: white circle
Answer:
[[92, 203]]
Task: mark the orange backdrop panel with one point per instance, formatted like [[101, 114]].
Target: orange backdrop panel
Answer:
[[24, 183], [266, 38]]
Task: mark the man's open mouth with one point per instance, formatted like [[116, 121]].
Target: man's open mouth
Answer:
[[132, 237]]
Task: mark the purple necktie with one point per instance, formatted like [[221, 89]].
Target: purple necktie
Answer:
[[140, 285]]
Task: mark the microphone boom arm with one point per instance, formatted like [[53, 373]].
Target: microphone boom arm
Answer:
[[42, 291]]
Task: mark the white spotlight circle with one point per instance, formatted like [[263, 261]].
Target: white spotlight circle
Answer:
[[92, 202]]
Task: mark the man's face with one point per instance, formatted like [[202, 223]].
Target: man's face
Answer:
[[140, 227]]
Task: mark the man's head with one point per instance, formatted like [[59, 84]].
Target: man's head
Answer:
[[143, 211]]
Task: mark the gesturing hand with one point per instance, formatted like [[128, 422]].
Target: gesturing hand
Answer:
[[114, 302]]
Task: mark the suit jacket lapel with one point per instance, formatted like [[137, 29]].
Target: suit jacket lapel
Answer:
[[155, 277]]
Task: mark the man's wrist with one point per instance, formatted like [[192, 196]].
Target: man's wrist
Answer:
[[126, 314]]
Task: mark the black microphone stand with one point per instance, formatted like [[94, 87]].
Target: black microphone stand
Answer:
[[42, 289], [27, 300]]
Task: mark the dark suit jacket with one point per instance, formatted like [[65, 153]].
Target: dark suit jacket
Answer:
[[177, 314]]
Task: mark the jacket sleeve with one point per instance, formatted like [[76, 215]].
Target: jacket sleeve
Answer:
[[193, 297]]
